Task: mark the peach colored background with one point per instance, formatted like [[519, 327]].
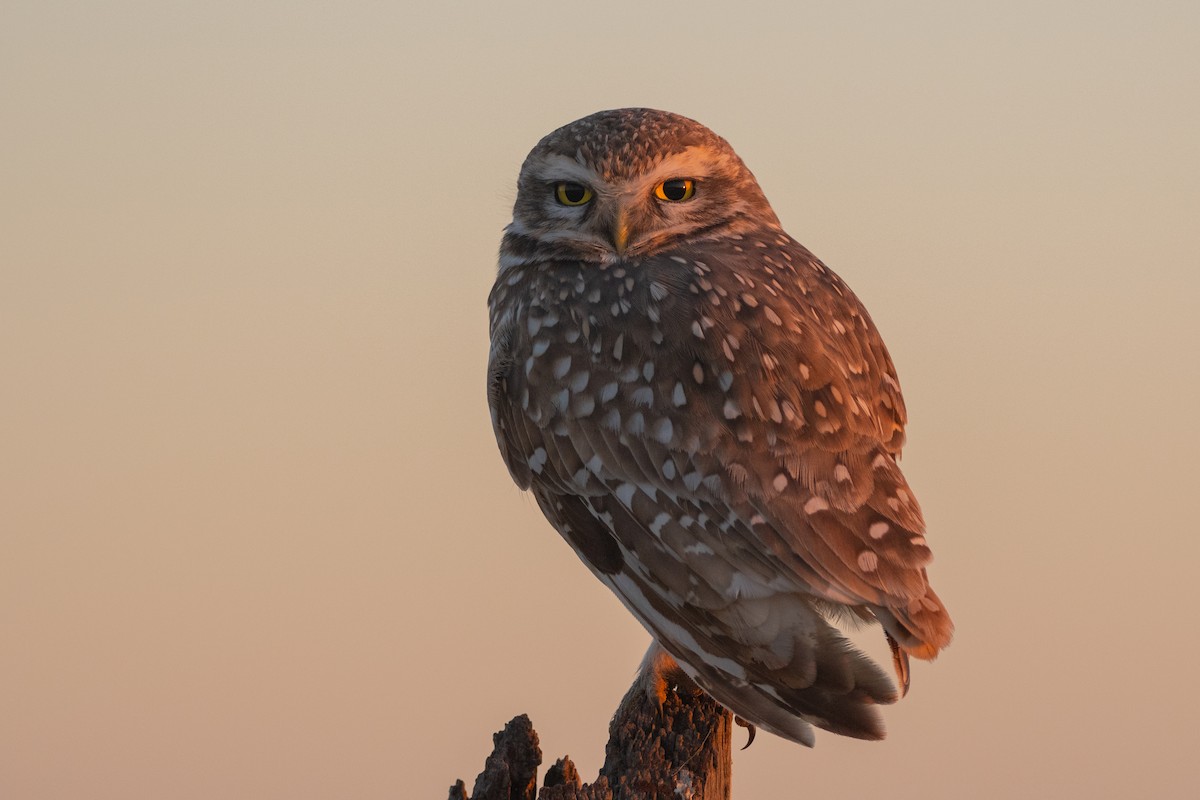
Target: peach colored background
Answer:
[[255, 539]]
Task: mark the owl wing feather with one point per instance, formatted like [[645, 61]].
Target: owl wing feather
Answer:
[[810, 424], [745, 476]]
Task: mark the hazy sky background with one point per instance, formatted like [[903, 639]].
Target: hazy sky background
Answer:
[[255, 537]]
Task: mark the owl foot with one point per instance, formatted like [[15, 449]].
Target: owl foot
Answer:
[[659, 673], [900, 662], [750, 728]]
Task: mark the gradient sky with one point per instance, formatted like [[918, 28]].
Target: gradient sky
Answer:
[[255, 537]]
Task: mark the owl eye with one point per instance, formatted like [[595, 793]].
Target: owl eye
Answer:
[[572, 194], [675, 190]]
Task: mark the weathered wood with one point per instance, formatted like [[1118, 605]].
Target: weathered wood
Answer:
[[678, 750], [510, 772]]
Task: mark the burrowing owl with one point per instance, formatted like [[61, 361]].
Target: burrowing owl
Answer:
[[708, 416]]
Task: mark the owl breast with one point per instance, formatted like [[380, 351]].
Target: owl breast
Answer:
[[591, 348]]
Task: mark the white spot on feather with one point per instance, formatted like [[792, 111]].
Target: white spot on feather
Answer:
[[741, 586], [815, 504], [677, 396]]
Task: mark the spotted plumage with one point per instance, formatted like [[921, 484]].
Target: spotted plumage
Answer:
[[708, 416]]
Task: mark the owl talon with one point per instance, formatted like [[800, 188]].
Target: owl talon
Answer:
[[900, 662], [749, 726]]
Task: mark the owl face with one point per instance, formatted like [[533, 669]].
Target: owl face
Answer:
[[628, 183]]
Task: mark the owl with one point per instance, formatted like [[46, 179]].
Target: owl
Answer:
[[708, 416]]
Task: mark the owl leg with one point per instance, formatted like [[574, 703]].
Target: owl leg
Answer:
[[658, 673]]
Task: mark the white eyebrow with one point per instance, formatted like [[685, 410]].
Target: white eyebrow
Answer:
[[559, 168], [694, 162]]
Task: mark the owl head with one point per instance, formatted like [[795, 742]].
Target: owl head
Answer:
[[631, 182]]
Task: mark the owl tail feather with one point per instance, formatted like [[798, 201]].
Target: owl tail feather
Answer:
[[824, 681], [792, 711]]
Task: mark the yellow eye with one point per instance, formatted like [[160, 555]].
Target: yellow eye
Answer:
[[572, 194], [675, 190]]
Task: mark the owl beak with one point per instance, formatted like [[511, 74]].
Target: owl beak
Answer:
[[621, 231]]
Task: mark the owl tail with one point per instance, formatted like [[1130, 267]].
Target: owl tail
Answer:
[[824, 681]]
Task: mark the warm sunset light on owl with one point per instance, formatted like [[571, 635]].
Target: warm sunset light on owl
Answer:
[[709, 417]]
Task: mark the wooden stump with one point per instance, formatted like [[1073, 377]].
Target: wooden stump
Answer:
[[678, 751]]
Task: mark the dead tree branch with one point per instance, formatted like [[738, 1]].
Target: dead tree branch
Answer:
[[681, 750]]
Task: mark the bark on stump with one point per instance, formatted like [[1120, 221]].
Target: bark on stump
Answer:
[[679, 751]]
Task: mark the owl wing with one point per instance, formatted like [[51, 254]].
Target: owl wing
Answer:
[[747, 383], [804, 424]]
